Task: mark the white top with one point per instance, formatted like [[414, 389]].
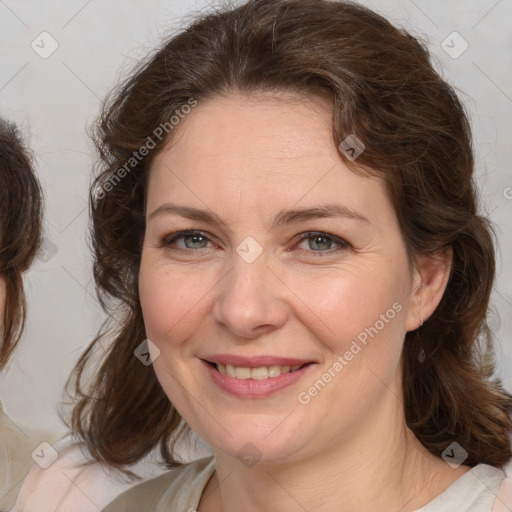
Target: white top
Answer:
[[475, 491], [68, 485], [478, 490], [72, 482], [17, 444]]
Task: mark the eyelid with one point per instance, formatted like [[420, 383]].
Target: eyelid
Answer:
[[342, 244], [182, 233]]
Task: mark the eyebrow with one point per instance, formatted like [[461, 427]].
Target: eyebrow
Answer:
[[284, 217]]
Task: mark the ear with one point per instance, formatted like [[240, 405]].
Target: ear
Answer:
[[430, 277]]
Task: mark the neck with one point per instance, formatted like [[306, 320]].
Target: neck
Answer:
[[380, 466]]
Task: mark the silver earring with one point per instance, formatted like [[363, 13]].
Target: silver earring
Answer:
[[422, 322]]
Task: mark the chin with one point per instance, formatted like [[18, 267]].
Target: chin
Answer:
[[258, 440]]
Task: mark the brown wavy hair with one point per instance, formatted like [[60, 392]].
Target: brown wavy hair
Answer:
[[20, 230], [384, 90]]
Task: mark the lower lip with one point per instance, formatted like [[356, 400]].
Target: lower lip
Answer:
[[252, 388]]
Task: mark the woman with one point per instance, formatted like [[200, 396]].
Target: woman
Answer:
[[285, 225], [20, 236]]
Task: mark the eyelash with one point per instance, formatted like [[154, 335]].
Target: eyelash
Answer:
[[169, 239]]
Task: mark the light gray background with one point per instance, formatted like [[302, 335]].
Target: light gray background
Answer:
[[54, 99]]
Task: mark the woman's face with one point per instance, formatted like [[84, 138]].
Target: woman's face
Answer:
[[293, 260]]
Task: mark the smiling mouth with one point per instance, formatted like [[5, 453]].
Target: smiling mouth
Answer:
[[259, 373]]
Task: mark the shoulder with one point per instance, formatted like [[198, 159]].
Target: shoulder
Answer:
[[20, 445], [70, 482], [181, 487], [477, 490], [503, 502]]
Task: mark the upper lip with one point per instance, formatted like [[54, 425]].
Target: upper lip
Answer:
[[254, 362]]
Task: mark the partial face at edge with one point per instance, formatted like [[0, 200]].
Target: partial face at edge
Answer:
[[319, 283]]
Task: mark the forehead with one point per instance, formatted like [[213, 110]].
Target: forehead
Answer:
[[276, 150], [262, 129]]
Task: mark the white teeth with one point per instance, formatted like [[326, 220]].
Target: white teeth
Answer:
[[242, 373], [274, 371], [260, 373], [230, 370]]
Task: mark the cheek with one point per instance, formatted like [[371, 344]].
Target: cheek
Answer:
[[362, 329], [171, 301], [340, 306]]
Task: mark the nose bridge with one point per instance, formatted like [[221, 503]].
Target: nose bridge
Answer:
[[248, 281], [249, 267], [250, 295]]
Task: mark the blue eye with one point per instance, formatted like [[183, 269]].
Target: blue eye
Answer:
[[322, 242], [312, 243], [191, 239]]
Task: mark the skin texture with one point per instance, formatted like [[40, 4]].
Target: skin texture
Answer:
[[246, 160]]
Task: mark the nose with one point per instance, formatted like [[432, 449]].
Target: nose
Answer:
[[251, 299]]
